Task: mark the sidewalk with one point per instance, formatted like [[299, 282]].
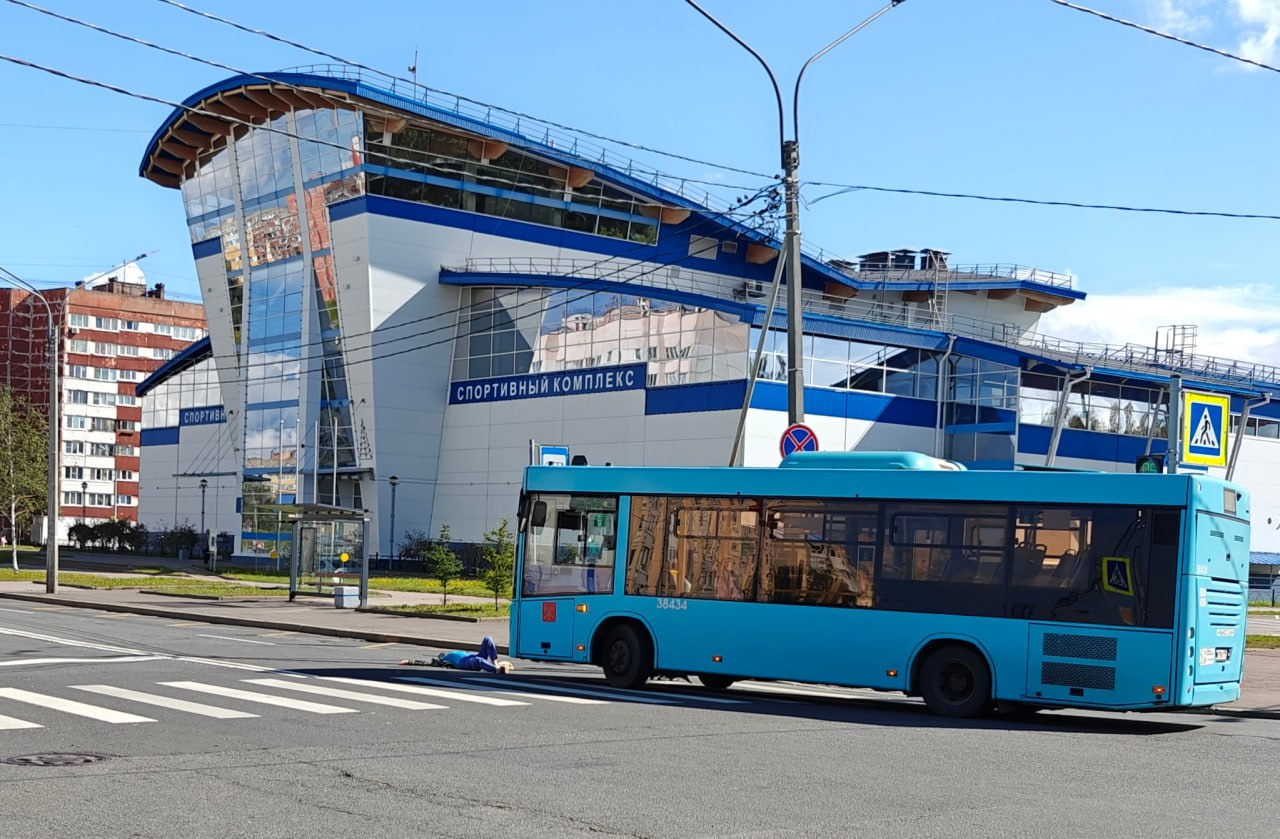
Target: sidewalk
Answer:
[[318, 616]]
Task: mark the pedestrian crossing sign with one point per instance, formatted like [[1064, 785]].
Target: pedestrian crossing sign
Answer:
[[1117, 575], [1204, 428]]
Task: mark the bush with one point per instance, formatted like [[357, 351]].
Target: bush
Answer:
[[440, 561], [499, 553]]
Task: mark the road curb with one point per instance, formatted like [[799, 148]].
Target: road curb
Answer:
[[286, 626]]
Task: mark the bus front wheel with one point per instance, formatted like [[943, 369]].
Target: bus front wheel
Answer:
[[955, 682], [628, 657]]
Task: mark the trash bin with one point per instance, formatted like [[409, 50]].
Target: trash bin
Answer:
[[184, 554], [346, 597]]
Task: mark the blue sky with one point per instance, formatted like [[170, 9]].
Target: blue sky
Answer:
[[1000, 97]]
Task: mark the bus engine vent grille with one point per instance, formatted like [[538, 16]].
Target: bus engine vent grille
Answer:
[[1096, 647], [1077, 675]]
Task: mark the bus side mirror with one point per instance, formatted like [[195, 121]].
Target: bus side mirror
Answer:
[[538, 516]]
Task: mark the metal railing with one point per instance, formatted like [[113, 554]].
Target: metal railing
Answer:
[[1126, 357]]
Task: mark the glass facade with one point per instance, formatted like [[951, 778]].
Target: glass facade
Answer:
[[276, 253], [195, 387], [504, 331]]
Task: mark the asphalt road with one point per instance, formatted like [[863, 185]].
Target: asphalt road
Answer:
[[217, 731]]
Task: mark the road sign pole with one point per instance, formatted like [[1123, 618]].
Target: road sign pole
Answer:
[[1175, 424]]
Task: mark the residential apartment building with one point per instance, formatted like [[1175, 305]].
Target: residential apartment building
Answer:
[[113, 332]]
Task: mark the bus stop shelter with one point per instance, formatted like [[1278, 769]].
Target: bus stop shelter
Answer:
[[328, 548]]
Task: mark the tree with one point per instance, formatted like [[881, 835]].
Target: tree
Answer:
[[498, 555], [439, 560], [24, 478]]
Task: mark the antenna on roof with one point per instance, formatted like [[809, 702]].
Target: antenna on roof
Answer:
[[413, 68]]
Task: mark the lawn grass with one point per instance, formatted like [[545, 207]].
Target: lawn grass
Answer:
[[1262, 642], [215, 589], [468, 610], [430, 585]]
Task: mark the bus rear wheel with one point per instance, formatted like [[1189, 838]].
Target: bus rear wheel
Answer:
[[628, 657], [715, 681], [955, 682]]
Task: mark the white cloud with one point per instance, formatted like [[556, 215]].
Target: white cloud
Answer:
[[1261, 15], [1178, 17], [1236, 322]]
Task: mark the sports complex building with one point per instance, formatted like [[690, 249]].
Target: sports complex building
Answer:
[[402, 284]]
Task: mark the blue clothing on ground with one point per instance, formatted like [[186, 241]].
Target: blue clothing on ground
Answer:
[[486, 659]]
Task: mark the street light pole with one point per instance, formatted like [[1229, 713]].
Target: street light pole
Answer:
[[55, 425], [204, 535], [791, 186], [84, 501], [391, 548]]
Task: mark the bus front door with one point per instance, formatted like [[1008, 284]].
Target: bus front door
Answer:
[[545, 628]]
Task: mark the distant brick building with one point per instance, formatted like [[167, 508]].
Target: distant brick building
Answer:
[[114, 332]]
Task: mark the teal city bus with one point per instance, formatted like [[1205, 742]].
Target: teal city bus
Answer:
[[893, 571]]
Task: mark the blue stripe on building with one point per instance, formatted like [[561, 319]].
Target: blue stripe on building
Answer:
[[160, 436]]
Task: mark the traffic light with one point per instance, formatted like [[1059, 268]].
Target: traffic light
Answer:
[[1150, 463]]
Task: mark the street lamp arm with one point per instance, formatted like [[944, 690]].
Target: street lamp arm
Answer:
[[795, 98], [55, 421], [777, 92]]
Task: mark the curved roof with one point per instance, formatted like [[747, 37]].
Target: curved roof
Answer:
[[188, 358], [210, 115]]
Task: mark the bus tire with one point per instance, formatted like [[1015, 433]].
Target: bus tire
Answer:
[[955, 682], [628, 657], [715, 681]]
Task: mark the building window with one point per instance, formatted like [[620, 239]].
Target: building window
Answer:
[[124, 500], [127, 349], [70, 499], [100, 450], [129, 325], [107, 324], [99, 499], [125, 475], [75, 421], [78, 321], [126, 425], [73, 446], [77, 371], [127, 375], [125, 398], [78, 397], [125, 451], [104, 374], [78, 345], [73, 473], [103, 348], [103, 424], [104, 399]]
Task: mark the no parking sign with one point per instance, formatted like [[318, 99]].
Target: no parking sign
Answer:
[[798, 438]]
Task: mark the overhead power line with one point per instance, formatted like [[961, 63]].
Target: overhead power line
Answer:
[[348, 62], [1150, 31], [842, 189]]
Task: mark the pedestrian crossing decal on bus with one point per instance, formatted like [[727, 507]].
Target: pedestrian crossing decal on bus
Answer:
[[1117, 575], [1204, 429]]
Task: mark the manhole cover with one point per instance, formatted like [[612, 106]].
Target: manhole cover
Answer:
[[54, 760]]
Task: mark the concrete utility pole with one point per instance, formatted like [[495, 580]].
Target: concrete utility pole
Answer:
[[55, 422], [791, 185]]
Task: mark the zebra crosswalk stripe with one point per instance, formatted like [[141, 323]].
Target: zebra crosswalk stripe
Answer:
[[425, 691], [70, 706], [263, 698], [550, 697], [626, 697], [339, 693], [8, 723], [167, 702]]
